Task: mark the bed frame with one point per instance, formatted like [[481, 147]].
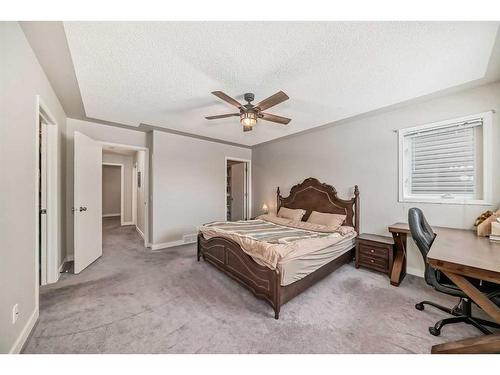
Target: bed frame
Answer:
[[264, 283]]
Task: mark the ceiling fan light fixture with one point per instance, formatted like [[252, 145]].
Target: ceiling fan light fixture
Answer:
[[249, 113], [248, 119]]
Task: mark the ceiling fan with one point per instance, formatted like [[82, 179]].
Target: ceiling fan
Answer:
[[250, 113]]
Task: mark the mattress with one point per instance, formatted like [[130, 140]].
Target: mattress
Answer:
[[295, 268]]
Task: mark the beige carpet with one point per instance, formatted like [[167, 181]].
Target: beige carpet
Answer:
[[133, 300]]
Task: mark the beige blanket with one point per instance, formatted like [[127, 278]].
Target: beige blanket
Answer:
[[270, 239]]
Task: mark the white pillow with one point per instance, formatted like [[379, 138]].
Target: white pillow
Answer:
[[292, 214]]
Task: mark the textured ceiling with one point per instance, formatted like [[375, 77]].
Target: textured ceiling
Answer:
[[162, 73]]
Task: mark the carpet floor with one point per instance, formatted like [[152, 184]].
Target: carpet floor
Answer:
[[134, 300]]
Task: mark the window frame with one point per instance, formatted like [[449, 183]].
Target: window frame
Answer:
[[403, 163]]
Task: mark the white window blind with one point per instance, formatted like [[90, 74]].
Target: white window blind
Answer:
[[443, 161]]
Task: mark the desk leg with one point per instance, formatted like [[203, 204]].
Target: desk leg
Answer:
[[482, 344], [489, 307], [399, 266]]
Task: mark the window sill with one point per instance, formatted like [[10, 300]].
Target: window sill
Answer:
[[446, 201]]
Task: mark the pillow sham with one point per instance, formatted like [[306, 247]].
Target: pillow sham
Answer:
[[288, 213], [331, 220]]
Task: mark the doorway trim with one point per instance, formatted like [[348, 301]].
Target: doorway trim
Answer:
[[50, 264], [248, 185], [122, 190], [145, 181]]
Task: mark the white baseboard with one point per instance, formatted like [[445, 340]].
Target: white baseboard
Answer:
[[165, 245], [127, 223], [415, 271], [23, 336], [139, 231], [111, 215]]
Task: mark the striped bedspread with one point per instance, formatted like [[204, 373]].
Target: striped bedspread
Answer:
[[270, 239], [267, 231]]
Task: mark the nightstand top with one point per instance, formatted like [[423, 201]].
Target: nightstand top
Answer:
[[376, 238]]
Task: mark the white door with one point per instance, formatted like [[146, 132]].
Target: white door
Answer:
[[88, 201]]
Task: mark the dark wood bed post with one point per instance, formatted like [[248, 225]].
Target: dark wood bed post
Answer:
[[356, 209], [198, 247], [278, 200]]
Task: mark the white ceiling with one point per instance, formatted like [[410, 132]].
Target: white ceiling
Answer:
[[162, 73]]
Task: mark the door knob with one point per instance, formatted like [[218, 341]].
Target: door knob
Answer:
[[83, 209]]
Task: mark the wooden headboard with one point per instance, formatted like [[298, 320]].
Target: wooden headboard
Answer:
[[312, 195]]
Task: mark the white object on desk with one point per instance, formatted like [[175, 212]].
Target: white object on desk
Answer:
[[495, 228]]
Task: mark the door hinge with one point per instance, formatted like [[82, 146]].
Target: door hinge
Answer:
[[43, 211]]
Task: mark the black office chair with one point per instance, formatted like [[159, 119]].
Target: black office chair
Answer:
[[424, 236]]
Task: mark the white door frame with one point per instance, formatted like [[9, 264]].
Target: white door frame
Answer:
[[122, 186], [51, 261], [248, 186], [134, 193], [145, 183]]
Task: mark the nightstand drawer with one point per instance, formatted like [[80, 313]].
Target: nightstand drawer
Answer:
[[374, 262], [373, 251]]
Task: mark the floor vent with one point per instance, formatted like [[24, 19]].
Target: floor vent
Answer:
[[190, 238]]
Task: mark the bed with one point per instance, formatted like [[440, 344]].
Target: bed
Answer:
[[288, 279]]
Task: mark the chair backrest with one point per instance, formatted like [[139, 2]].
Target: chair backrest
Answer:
[[423, 236]]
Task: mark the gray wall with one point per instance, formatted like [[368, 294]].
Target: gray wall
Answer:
[[21, 79], [365, 152], [188, 184], [111, 190], [128, 186], [98, 132]]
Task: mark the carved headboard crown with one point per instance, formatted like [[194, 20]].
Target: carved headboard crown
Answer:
[[312, 195]]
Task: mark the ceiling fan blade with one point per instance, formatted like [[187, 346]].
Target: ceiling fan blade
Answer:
[[275, 118], [221, 116], [227, 98], [247, 128], [273, 100]]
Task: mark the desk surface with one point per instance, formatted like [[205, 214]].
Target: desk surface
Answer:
[[461, 247]]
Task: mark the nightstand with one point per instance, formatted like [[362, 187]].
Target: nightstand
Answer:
[[375, 252]]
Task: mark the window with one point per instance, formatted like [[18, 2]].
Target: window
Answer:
[[446, 162]]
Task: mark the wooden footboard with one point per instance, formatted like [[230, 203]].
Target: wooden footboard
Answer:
[[228, 257], [263, 282]]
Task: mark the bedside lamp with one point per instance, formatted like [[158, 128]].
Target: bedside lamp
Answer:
[[265, 209]]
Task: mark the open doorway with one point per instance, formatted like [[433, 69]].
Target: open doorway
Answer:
[[46, 203], [238, 189], [89, 156], [124, 187], [112, 190]]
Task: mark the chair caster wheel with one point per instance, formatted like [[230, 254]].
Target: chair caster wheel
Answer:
[[434, 332], [419, 306]]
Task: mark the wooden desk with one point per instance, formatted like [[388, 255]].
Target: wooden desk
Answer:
[[459, 253]]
